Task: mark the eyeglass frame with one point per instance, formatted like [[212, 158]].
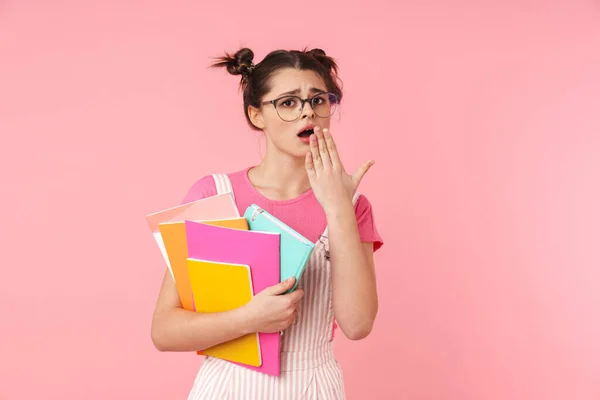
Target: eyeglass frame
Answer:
[[303, 101]]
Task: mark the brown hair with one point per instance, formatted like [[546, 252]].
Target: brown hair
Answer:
[[255, 81]]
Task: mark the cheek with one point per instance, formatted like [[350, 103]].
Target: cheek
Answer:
[[276, 127], [271, 120], [278, 130], [284, 131]]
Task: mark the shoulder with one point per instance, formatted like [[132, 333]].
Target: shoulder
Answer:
[[207, 185], [202, 188], [365, 217], [362, 205], [363, 209]]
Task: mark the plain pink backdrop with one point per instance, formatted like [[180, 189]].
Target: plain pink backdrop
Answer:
[[483, 118]]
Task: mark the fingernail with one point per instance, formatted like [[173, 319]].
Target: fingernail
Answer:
[[325, 130]]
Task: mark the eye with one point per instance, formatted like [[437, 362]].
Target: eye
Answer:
[[319, 99], [287, 102]]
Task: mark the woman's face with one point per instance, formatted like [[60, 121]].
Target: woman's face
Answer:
[[284, 135]]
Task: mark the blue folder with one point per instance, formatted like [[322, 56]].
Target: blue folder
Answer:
[[295, 249]]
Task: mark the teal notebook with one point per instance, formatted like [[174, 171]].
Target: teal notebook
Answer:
[[295, 249]]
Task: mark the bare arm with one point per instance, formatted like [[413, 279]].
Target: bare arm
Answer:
[[354, 290], [355, 302], [177, 329]]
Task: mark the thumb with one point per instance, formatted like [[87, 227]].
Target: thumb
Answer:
[[280, 288], [361, 171]]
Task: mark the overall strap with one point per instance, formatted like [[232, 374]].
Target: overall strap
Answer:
[[223, 184]]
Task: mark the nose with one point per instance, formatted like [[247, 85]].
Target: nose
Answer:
[[307, 111]]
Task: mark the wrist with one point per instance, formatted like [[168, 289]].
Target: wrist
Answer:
[[243, 321], [338, 209]]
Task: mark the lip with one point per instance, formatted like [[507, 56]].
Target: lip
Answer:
[[310, 126]]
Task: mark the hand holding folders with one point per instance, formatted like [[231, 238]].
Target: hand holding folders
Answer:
[[221, 261], [271, 310]]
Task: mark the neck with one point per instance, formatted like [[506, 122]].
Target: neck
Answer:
[[280, 175]]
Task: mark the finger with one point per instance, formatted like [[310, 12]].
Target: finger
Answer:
[[309, 165], [294, 297], [297, 295], [295, 313], [331, 148], [281, 287], [314, 150], [361, 171], [322, 147]]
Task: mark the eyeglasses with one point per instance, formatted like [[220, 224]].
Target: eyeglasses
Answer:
[[289, 108]]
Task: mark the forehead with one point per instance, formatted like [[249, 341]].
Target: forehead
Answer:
[[291, 79]]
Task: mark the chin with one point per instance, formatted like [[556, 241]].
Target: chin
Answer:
[[300, 154]]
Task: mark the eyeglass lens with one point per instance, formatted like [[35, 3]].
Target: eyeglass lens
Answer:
[[290, 108]]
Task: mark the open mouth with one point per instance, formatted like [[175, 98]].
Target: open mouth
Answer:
[[306, 133]]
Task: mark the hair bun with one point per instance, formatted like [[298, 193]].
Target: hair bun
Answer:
[[243, 62], [316, 53], [239, 63], [323, 58]]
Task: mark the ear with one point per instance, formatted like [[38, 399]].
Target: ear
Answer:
[[256, 117]]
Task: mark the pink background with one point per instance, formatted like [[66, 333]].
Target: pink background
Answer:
[[483, 117]]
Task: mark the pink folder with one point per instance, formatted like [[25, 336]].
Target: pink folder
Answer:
[[259, 250], [221, 206]]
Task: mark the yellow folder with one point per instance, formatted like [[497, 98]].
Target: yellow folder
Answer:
[[220, 287], [175, 242]]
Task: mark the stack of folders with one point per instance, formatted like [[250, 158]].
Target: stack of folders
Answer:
[[220, 259]]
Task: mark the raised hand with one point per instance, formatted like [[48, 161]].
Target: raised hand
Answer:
[[329, 180]]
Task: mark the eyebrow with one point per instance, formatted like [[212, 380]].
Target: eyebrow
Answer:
[[297, 91]]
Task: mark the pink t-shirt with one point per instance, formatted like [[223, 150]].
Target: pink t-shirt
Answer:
[[303, 213]]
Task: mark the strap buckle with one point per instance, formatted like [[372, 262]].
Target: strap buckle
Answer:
[[255, 213]]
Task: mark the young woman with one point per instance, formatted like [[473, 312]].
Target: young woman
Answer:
[[290, 97]]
